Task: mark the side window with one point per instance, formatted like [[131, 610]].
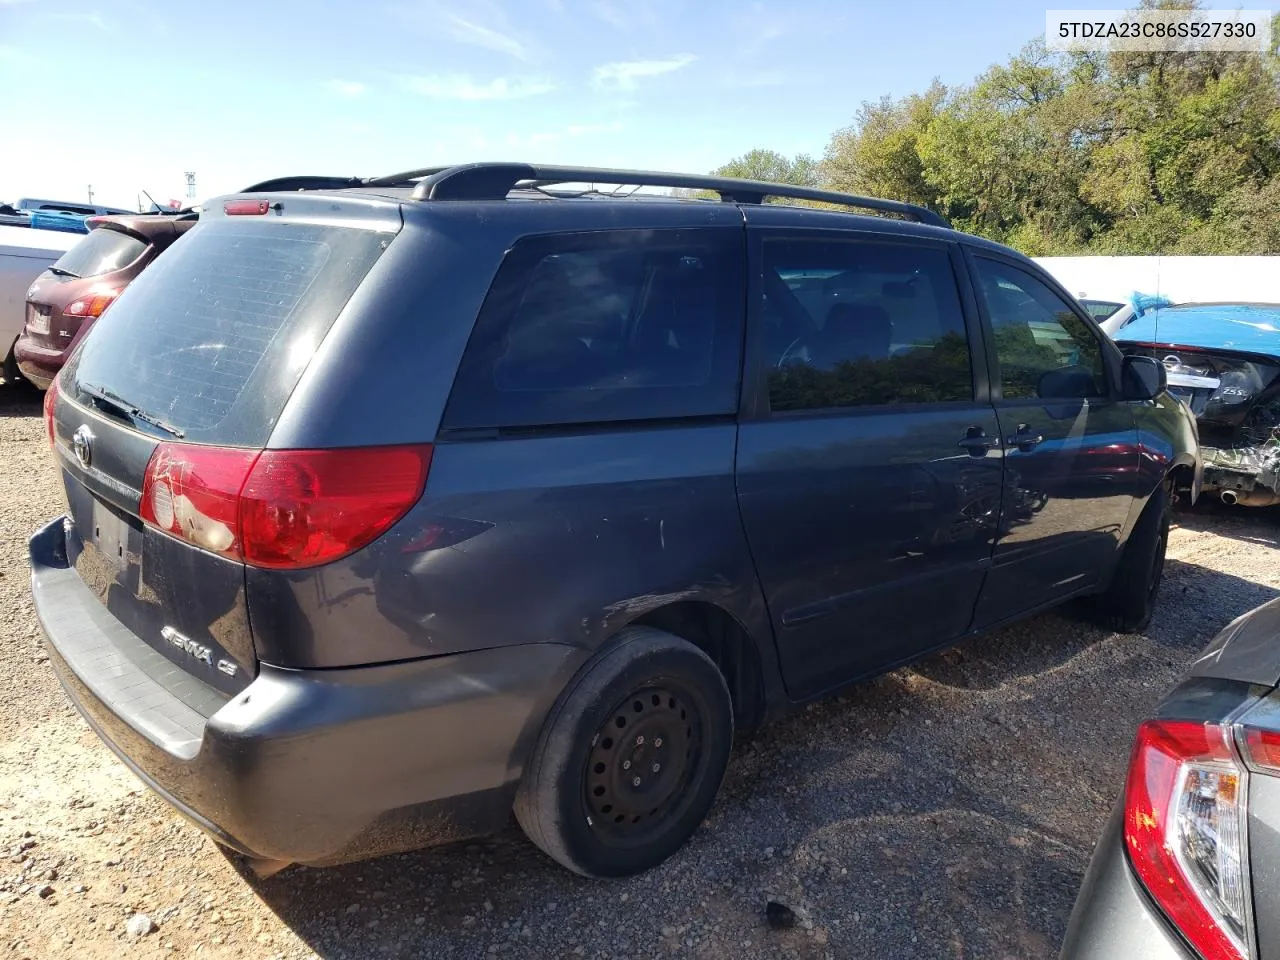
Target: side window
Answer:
[[606, 326], [847, 323], [1043, 349]]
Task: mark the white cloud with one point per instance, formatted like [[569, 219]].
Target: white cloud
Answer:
[[623, 75], [485, 25], [347, 89], [479, 35], [461, 87]]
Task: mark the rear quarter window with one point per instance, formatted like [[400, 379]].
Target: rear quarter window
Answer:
[[606, 326], [103, 251], [214, 336]]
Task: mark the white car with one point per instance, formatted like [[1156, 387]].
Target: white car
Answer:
[[24, 255]]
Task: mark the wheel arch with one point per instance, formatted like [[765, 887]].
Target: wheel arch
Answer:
[[722, 637]]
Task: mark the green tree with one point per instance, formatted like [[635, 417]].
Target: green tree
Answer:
[[773, 167], [879, 154], [1161, 152]]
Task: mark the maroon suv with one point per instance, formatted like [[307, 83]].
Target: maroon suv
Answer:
[[65, 300]]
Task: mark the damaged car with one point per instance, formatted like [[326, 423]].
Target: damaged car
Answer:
[[1223, 361]]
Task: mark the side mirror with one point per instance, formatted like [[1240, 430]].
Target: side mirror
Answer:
[[1143, 378]]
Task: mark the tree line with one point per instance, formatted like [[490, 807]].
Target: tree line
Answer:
[[1064, 153]]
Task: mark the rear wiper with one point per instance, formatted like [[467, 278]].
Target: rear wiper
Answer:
[[112, 402], [60, 272]]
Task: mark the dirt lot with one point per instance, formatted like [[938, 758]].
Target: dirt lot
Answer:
[[947, 810]]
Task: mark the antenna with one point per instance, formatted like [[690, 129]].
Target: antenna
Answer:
[[154, 206], [191, 185]]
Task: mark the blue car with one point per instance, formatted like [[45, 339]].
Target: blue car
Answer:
[[1223, 361], [59, 220]]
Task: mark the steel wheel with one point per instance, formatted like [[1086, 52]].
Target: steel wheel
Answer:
[[630, 758], [641, 763]]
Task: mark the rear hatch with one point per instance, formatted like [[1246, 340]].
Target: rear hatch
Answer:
[[71, 291], [178, 386]]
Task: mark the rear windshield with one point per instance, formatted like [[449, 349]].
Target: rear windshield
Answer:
[[214, 336], [103, 251]]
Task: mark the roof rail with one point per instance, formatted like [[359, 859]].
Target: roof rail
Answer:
[[287, 184], [409, 178], [493, 181]]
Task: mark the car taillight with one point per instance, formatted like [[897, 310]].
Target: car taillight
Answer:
[[91, 306], [1184, 822], [50, 399], [283, 509], [1261, 749]]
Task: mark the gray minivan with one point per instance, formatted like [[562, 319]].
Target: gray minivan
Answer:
[[396, 507]]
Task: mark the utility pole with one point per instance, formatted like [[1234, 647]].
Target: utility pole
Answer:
[[91, 193], [191, 185]]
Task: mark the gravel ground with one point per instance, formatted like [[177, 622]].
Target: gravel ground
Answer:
[[947, 810]]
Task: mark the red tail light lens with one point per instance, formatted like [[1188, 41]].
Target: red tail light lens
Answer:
[[194, 493], [282, 509], [1184, 829], [1262, 750], [92, 306], [50, 398]]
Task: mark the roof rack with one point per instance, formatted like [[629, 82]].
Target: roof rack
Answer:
[[493, 181]]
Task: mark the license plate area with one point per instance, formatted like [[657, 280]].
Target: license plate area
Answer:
[[38, 320], [110, 535]]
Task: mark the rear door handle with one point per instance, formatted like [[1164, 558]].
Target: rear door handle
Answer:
[[1026, 440], [977, 442]]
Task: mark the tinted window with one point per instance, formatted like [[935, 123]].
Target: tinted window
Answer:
[[215, 334], [1043, 349], [848, 323], [102, 251], [606, 326]]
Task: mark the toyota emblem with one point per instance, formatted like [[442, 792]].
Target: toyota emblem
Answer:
[[82, 444]]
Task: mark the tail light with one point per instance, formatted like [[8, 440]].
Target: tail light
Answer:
[[92, 306], [282, 509], [1184, 827], [50, 400]]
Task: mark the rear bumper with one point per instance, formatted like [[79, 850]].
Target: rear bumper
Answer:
[[1113, 916], [37, 363], [1251, 475], [315, 767]]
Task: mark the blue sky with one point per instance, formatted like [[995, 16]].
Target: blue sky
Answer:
[[129, 94]]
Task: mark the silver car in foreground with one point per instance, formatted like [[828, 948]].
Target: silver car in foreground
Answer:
[[1189, 863]]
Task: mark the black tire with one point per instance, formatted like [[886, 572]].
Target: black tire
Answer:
[[1131, 599], [579, 804], [12, 375]]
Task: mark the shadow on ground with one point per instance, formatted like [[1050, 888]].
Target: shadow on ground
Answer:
[[20, 399]]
